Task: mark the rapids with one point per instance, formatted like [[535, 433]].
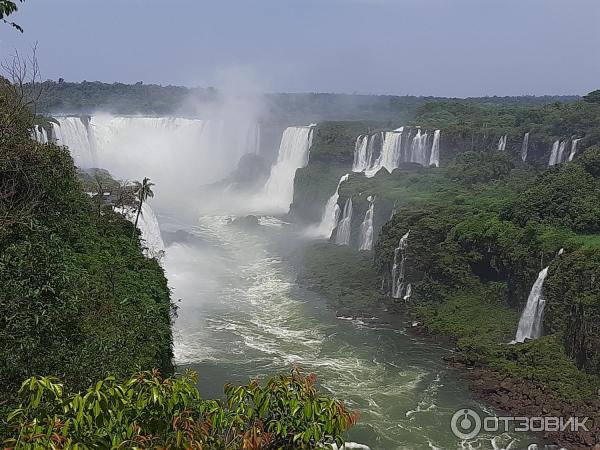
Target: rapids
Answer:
[[242, 315]]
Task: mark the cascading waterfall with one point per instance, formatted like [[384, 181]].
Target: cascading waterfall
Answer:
[[418, 150], [530, 324], [554, 154], [362, 155], [73, 133], [408, 293], [502, 143], [391, 150], [525, 147], [398, 270], [134, 147], [39, 134], [342, 236], [293, 154], [434, 159], [148, 226], [394, 147], [574, 143], [331, 215], [561, 152], [366, 228]]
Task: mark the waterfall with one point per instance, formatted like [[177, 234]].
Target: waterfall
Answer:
[[525, 146], [418, 150], [366, 228], [362, 156], [73, 133], [573, 148], [388, 152], [554, 154], [434, 159], [393, 148], [530, 324], [398, 269], [293, 154], [148, 226], [331, 215], [179, 155], [502, 143], [561, 151], [408, 293], [391, 151], [38, 133], [342, 236]]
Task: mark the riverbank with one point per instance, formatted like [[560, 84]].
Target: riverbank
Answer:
[[533, 379]]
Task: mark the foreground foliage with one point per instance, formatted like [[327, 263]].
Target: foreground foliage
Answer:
[[149, 411]]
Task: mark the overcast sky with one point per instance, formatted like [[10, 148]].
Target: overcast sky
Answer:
[[421, 47]]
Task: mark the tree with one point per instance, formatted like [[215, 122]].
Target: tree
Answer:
[[7, 7], [593, 97], [143, 191]]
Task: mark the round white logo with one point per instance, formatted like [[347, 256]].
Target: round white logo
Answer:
[[465, 424]]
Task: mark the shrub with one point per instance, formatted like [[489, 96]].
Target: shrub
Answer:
[[149, 411]]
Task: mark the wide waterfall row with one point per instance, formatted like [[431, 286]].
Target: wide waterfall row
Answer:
[[530, 324], [366, 228], [558, 154], [293, 154], [342, 236], [399, 288], [331, 215], [388, 149], [115, 143]]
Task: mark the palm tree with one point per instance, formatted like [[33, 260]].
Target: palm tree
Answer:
[[143, 191]]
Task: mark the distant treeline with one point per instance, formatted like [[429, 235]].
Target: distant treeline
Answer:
[[118, 98]]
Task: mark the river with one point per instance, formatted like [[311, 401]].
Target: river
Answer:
[[241, 315]]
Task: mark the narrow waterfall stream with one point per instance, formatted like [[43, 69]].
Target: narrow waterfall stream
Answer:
[[530, 324], [399, 290], [366, 228], [342, 236], [502, 143], [525, 147], [331, 214]]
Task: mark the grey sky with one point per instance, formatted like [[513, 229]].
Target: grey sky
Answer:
[[421, 47]]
